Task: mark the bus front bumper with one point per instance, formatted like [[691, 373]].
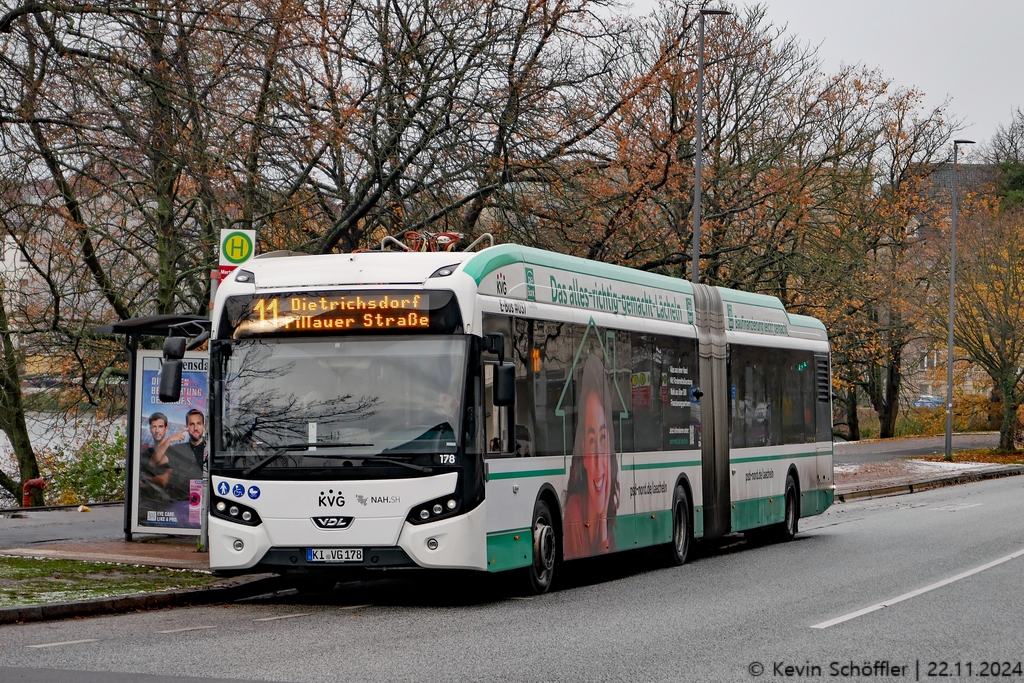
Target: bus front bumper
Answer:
[[455, 543]]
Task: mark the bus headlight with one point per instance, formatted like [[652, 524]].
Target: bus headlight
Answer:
[[433, 510], [235, 512]]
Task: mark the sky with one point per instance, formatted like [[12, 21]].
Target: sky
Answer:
[[968, 52]]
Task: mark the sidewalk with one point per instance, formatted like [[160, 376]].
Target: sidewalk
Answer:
[[907, 475], [175, 552]]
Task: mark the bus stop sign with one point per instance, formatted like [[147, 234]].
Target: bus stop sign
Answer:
[[236, 247]]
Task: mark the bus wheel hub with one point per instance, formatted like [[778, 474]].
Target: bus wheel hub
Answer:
[[544, 546]]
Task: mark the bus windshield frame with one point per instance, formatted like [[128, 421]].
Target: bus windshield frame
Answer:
[[356, 407]]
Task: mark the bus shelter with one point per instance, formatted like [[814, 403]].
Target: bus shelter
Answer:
[[162, 458]]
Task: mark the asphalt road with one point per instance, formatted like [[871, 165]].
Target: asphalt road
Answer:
[[21, 529], [734, 609], [876, 451]]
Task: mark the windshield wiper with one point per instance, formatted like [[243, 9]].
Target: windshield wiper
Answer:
[[287, 448], [418, 468], [378, 458]]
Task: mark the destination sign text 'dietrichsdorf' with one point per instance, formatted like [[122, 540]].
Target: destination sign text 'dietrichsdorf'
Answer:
[[316, 313]]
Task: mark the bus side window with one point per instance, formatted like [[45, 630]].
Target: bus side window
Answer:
[[496, 419]]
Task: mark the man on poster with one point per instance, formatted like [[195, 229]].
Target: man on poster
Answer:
[[156, 472], [193, 449], [185, 457]]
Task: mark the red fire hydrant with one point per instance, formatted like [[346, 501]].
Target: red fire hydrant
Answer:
[[26, 490]]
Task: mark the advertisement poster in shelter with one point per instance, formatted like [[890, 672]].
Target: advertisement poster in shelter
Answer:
[[169, 447]]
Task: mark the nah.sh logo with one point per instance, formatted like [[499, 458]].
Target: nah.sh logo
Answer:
[[501, 284], [330, 499]]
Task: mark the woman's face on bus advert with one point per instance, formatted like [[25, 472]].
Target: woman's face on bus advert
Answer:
[[596, 456]]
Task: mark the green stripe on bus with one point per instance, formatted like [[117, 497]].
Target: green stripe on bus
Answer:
[[764, 458], [660, 465], [513, 548], [815, 502], [643, 529], [756, 512], [489, 260], [525, 473], [509, 549]]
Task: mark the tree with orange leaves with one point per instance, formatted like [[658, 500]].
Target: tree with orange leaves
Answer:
[[988, 326]]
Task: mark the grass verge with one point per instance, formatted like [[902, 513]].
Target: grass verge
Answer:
[[986, 455], [31, 581]]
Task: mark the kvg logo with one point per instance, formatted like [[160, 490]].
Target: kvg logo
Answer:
[[331, 499]]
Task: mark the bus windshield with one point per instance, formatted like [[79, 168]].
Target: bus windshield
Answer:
[[317, 403]]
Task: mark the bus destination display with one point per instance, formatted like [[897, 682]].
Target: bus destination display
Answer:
[[367, 312]]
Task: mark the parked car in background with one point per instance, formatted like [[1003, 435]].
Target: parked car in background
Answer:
[[929, 402]]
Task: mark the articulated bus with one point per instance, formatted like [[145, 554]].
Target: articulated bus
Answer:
[[504, 409]]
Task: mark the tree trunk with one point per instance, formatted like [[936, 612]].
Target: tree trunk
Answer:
[[851, 414], [12, 414], [885, 394], [1009, 419], [887, 420]]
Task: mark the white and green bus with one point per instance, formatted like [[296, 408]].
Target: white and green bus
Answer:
[[505, 409]]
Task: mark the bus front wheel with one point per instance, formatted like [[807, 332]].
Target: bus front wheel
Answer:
[[541, 571]]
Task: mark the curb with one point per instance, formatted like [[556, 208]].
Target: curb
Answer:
[[225, 591], [914, 487], [56, 508]]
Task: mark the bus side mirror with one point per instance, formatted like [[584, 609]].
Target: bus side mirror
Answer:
[[174, 348], [170, 381], [504, 385], [495, 343]]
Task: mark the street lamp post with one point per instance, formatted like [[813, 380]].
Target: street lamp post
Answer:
[[699, 142], [952, 286]]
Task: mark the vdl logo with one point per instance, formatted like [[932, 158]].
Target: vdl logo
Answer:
[[332, 522]]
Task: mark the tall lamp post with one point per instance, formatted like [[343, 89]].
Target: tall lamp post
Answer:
[[952, 286], [699, 143]]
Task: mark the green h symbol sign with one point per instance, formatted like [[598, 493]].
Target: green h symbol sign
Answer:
[[237, 248]]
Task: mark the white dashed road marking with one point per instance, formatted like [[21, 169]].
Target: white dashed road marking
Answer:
[[283, 616], [65, 642], [919, 591], [187, 628]]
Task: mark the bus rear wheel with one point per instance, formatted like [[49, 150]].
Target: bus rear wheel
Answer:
[[541, 571], [682, 527]]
